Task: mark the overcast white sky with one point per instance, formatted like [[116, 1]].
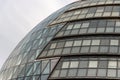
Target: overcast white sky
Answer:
[[18, 17]]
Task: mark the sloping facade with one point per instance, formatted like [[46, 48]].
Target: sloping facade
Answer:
[[79, 41]]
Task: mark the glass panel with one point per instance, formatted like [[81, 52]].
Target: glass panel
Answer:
[[74, 64], [47, 69], [82, 72], [72, 72], [111, 73], [93, 64], [94, 49], [84, 25], [101, 72], [77, 25], [58, 51], [53, 45], [77, 43], [91, 72], [86, 42], [70, 26], [84, 49], [112, 64], [66, 51], [103, 64], [114, 42], [83, 64], [68, 43], [65, 65], [95, 42], [43, 77], [63, 73], [75, 50]]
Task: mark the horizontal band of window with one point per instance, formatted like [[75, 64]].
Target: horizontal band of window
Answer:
[[92, 18], [101, 5], [87, 35], [84, 78]]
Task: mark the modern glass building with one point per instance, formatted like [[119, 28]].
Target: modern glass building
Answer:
[[79, 41]]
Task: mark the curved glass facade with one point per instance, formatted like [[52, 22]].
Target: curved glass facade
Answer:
[[79, 41]]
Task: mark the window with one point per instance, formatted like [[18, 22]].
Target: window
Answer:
[[77, 26], [53, 45], [77, 43], [63, 73], [112, 64], [103, 64], [83, 64], [100, 9], [68, 43], [70, 26], [84, 11], [82, 72], [118, 23], [95, 42], [108, 8], [110, 23], [98, 14], [105, 42], [115, 13], [91, 72], [86, 42], [72, 72], [101, 72], [84, 25], [74, 64], [65, 65], [77, 12], [94, 49], [111, 73], [107, 14], [60, 44], [93, 64], [114, 42]]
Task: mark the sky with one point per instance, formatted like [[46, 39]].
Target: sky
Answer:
[[18, 17]]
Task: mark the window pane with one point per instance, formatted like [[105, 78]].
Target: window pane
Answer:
[[84, 49], [114, 42], [60, 44], [95, 42], [82, 72], [112, 64], [63, 73], [86, 42], [111, 73], [65, 65], [103, 64], [68, 43], [77, 43], [94, 49], [118, 23], [91, 72], [83, 64], [75, 50], [78, 25], [74, 64], [93, 64], [72, 72], [70, 26], [53, 45], [84, 25], [101, 72]]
